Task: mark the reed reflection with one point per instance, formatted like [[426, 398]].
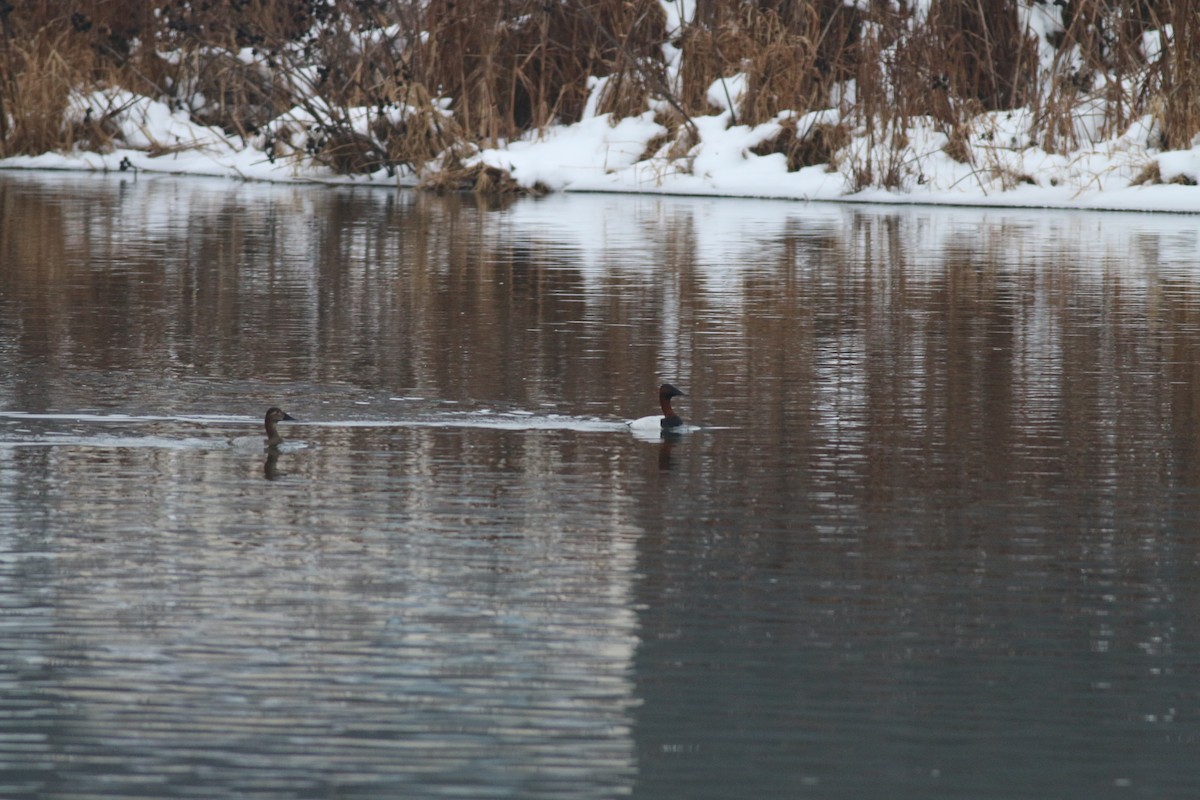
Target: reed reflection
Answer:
[[868, 342]]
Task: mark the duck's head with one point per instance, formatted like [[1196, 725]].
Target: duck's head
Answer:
[[278, 415], [667, 391]]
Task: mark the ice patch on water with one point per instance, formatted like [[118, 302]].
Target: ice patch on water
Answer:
[[87, 416], [105, 442]]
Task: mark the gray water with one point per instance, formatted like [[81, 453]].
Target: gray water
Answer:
[[936, 535]]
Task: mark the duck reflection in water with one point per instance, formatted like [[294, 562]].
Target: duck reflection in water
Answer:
[[669, 438], [273, 441], [271, 465]]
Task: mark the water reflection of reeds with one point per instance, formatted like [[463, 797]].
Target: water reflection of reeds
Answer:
[[951, 449]]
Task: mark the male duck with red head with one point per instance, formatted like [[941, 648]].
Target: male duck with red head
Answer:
[[669, 420]]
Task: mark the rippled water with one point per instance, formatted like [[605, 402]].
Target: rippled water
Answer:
[[936, 535]]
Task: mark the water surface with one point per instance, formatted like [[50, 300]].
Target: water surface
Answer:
[[935, 537]]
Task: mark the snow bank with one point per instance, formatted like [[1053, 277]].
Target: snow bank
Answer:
[[995, 162]]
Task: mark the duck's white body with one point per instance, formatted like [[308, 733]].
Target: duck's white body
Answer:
[[652, 424]]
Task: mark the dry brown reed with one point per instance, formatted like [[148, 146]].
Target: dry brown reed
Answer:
[[506, 68], [818, 144]]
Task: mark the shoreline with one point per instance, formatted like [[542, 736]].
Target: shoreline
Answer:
[[1175, 200]]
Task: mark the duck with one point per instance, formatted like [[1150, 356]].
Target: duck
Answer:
[[669, 420], [270, 422], [273, 418]]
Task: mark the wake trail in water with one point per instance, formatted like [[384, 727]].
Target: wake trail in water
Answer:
[[47, 436]]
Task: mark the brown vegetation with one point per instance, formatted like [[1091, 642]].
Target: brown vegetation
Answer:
[[441, 76]]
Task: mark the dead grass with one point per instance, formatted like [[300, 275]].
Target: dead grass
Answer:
[[507, 67], [819, 144], [1151, 174], [478, 178], [958, 145], [778, 51], [522, 64], [239, 97]]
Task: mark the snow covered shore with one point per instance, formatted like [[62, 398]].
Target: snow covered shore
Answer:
[[990, 159], [600, 154]]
